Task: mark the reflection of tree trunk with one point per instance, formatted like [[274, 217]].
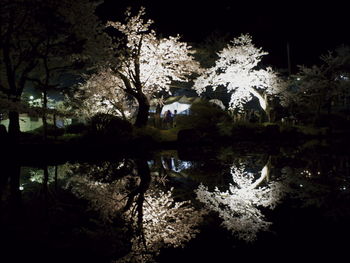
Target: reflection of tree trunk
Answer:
[[145, 176], [265, 172], [45, 181], [15, 197], [15, 192], [159, 164], [14, 129], [4, 176], [45, 192]]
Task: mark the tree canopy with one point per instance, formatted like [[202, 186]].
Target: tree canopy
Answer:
[[144, 63], [237, 68]]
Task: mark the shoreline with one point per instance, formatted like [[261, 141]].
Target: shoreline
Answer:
[[60, 152]]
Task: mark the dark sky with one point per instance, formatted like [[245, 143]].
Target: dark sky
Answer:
[[310, 28]]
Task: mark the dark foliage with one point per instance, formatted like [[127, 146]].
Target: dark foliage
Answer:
[[104, 127], [203, 116], [52, 130], [76, 128]]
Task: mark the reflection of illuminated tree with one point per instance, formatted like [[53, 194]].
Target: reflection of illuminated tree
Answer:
[[166, 223], [156, 220], [239, 205], [53, 174]]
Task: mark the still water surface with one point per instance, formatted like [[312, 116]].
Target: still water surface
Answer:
[[195, 206]]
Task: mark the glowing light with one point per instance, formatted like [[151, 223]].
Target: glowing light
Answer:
[[31, 97], [239, 205], [21, 188], [236, 69], [307, 173]]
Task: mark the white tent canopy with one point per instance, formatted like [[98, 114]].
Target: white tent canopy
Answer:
[[218, 102], [182, 104], [179, 107]]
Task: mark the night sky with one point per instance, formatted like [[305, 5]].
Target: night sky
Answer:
[[311, 28]]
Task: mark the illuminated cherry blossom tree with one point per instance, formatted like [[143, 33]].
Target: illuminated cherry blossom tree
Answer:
[[147, 64], [238, 207], [98, 94], [237, 69]]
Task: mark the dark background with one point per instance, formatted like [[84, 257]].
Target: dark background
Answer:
[[310, 28]]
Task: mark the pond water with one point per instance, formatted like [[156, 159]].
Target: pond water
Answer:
[[202, 205]]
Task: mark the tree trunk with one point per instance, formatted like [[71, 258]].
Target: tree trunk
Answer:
[[55, 126], [44, 117], [56, 176], [263, 101], [143, 111], [269, 113], [157, 117], [14, 129]]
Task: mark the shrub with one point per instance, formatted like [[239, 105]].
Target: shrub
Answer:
[[203, 116], [51, 130], [109, 125], [76, 128], [148, 133]]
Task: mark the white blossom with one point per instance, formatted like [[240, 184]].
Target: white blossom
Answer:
[[237, 70], [144, 64], [165, 222], [238, 207], [100, 94], [161, 60]]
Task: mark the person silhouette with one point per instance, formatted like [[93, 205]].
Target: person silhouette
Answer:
[[167, 119], [174, 118]]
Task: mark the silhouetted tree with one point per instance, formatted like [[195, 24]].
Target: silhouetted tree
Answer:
[[39, 40], [321, 87]]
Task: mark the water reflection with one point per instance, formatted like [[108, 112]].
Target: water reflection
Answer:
[[137, 210], [154, 219], [238, 206]]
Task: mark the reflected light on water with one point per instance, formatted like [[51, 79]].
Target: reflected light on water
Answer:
[[239, 205]]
